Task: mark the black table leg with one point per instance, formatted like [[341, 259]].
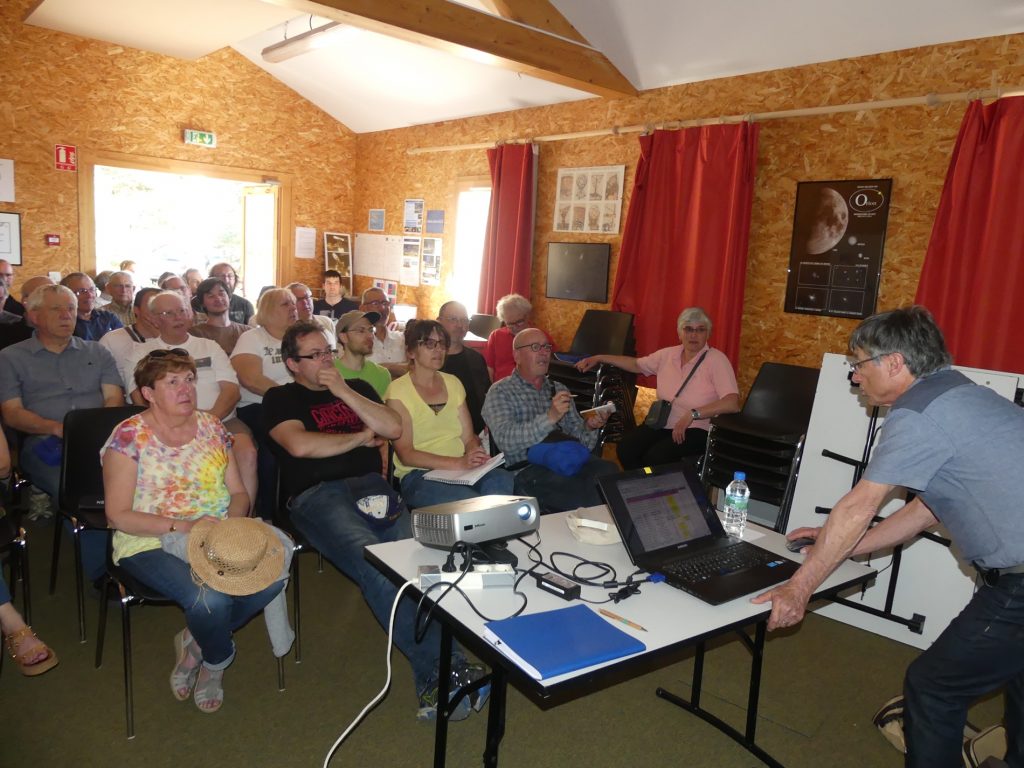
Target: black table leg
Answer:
[[444, 669], [495, 717]]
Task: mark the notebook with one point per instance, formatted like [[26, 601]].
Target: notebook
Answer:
[[669, 526], [465, 476], [551, 643]]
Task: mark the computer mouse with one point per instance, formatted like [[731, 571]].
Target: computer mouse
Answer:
[[797, 544]]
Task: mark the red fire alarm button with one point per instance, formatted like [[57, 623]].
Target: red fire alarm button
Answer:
[[53, 239]]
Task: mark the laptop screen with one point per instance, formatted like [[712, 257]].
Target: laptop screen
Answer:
[[659, 508]]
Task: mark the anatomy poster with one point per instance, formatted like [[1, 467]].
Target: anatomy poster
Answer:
[[835, 260]]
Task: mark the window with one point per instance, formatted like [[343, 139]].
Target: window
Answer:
[[473, 200]]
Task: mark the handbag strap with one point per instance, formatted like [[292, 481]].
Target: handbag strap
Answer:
[[690, 376]]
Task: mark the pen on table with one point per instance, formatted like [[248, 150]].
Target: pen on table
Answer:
[[616, 617]]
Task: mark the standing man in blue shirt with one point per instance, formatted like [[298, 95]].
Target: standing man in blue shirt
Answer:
[[91, 323], [956, 445]]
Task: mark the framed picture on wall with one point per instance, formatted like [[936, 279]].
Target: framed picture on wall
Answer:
[[10, 237], [338, 256], [589, 199], [835, 257]]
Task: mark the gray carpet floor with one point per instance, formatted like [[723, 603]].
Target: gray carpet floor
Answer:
[[822, 683]]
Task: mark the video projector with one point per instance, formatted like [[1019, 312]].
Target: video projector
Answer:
[[480, 520]]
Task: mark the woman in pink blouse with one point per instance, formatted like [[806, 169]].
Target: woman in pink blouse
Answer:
[[710, 391]]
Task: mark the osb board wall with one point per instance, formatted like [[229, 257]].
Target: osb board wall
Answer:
[[911, 145], [58, 88]]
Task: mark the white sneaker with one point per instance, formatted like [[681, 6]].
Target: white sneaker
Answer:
[[39, 505]]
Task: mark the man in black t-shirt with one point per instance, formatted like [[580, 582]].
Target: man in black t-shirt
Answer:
[[463, 362], [333, 304], [329, 432]]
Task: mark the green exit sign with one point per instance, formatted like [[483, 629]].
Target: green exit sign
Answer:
[[200, 138]]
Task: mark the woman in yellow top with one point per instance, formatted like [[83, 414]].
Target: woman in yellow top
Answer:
[[437, 431]]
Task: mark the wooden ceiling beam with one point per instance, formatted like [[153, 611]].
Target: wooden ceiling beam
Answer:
[[539, 14], [481, 37]]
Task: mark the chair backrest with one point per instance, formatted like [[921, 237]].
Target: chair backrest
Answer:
[[783, 394], [85, 432], [603, 332], [484, 325]]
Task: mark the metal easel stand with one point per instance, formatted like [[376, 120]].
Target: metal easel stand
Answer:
[[916, 622]]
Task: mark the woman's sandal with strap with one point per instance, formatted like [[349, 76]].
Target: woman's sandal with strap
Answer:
[[23, 660], [183, 678], [209, 693]]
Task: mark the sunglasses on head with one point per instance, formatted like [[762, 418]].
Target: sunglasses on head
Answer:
[[157, 354]]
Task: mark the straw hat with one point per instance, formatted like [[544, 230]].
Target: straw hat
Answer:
[[236, 555]]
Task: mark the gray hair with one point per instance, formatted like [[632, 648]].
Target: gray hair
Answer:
[[158, 294], [911, 331], [513, 302], [35, 299], [692, 315]]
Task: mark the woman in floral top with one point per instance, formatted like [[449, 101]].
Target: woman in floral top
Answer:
[[163, 470]]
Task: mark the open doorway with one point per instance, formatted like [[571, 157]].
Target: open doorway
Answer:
[[169, 216]]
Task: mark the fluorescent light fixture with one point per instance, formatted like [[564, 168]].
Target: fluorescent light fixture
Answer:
[[304, 43]]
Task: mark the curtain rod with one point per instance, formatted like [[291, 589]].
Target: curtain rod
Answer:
[[931, 100]]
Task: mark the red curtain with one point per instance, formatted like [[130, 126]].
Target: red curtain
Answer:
[[685, 240], [508, 248], [973, 275]]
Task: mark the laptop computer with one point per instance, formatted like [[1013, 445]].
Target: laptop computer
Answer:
[[669, 526]]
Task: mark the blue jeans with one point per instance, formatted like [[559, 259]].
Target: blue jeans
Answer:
[[419, 492], [210, 616], [557, 493], [980, 651], [47, 479], [5, 593], [326, 515]]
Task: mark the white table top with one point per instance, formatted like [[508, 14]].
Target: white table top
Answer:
[[673, 618]]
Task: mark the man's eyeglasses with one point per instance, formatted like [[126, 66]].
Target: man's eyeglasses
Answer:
[[157, 354], [85, 292], [856, 364], [459, 320], [536, 347], [688, 329], [169, 313], [433, 343], [518, 323], [357, 330], [320, 355], [379, 303]]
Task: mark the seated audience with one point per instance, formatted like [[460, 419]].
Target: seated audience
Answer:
[[121, 287], [710, 391], [437, 432], [91, 323], [334, 304], [12, 333], [100, 281], [240, 309], [329, 432], [9, 303], [43, 378], [257, 361], [121, 341], [355, 342], [388, 345], [514, 311], [215, 300], [217, 391], [192, 277], [174, 283], [28, 651], [465, 363], [164, 471], [526, 409], [304, 306]]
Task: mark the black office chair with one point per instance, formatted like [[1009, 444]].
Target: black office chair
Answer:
[[81, 499], [484, 325], [766, 438]]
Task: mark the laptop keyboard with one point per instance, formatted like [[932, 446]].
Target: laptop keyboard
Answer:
[[722, 562]]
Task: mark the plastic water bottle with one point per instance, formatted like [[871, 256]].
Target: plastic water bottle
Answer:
[[737, 496]]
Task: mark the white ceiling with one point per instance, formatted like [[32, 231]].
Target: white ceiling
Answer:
[[370, 82]]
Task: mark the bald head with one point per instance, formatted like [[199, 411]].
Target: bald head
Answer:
[[31, 284]]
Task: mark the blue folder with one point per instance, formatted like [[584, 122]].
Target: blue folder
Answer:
[[552, 643]]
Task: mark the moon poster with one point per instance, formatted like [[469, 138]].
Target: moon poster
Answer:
[[835, 259]]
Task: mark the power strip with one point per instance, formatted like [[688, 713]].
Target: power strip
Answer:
[[481, 577]]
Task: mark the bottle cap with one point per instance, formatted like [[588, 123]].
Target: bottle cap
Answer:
[[739, 475]]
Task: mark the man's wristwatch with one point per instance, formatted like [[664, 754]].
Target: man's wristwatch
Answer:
[[695, 414]]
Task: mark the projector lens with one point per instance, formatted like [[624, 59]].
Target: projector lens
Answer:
[[524, 512]]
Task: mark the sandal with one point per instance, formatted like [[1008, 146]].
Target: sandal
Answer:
[[209, 693], [24, 661], [183, 677]]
